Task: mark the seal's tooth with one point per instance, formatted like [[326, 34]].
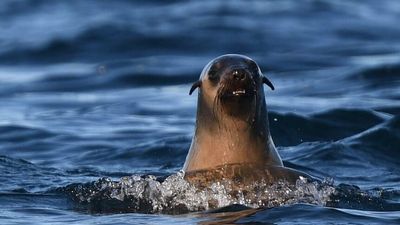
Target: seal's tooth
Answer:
[[239, 92]]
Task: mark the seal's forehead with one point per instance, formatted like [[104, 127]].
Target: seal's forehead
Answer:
[[227, 61], [231, 59]]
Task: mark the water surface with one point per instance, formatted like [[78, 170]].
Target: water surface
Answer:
[[92, 89]]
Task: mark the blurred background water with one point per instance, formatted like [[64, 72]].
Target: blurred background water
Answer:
[[100, 88]]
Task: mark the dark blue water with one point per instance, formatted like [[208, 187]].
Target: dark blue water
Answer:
[[92, 89]]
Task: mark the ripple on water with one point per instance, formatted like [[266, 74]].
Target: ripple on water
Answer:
[[174, 195]]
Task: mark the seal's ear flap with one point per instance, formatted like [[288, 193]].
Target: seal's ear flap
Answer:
[[268, 82], [194, 86]]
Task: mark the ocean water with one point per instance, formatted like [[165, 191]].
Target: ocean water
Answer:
[[94, 108]]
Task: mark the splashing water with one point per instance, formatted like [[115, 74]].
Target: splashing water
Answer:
[[174, 195]]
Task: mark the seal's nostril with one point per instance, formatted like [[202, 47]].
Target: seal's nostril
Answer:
[[239, 75]]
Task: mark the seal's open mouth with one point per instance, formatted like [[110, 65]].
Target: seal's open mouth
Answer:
[[238, 93]]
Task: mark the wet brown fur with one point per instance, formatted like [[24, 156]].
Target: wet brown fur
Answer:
[[231, 132]]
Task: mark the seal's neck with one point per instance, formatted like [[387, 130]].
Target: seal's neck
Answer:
[[222, 139]]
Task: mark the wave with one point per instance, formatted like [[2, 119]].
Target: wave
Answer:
[[174, 195], [81, 31], [292, 129], [381, 76], [373, 152], [311, 214], [379, 142], [16, 133], [117, 80], [331, 136]]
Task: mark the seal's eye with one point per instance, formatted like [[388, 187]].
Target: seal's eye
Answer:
[[213, 74]]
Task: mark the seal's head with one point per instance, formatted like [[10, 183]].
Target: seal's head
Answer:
[[233, 83]]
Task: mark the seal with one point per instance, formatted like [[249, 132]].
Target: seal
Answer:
[[232, 139]]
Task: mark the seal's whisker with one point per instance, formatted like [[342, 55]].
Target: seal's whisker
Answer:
[[217, 105]]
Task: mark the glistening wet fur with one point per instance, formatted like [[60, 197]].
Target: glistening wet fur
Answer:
[[231, 125]]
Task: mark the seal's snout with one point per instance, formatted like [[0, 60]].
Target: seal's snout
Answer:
[[237, 82], [240, 74]]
